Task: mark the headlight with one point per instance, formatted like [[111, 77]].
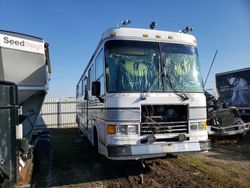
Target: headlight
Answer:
[[126, 129], [132, 129], [194, 126], [122, 129], [202, 125]]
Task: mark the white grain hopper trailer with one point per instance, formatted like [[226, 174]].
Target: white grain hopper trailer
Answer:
[[24, 75]]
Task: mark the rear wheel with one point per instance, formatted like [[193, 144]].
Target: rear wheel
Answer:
[[81, 133]]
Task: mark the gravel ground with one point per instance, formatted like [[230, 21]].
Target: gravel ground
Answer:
[[75, 164]]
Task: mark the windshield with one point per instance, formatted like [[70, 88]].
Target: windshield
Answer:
[[136, 66], [180, 66]]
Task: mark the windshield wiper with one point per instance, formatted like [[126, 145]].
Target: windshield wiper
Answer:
[[145, 95], [180, 93], [183, 96]]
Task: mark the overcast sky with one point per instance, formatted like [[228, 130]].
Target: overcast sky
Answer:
[[74, 28]]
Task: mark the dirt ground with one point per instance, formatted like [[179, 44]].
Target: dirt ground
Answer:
[[74, 164]]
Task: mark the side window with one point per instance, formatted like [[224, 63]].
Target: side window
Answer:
[[101, 79], [99, 64], [77, 91], [89, 78], [83, 86], [92, 75]]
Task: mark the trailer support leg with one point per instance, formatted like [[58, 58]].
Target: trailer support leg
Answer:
[[141, 175]]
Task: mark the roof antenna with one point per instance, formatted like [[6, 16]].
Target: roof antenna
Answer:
[[125, 23], [210, 67], [153, 25], [178, 24], [186, 30]]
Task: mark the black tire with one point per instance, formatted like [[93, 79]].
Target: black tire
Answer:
[[81, 133], [96, 141]]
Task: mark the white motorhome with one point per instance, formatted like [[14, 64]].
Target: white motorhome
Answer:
[[141, 95]]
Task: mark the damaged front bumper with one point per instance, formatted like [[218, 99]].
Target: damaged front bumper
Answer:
[[157, 149], [229, 130]]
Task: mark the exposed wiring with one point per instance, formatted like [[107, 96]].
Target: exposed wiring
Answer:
[[148, 117], [155, 128]]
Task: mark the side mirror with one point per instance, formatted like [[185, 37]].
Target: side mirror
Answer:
[[96, 88]]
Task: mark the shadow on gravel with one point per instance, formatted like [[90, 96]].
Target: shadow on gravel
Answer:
[[231, 149], [74, 161]]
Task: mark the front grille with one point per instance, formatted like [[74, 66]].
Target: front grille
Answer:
[[227, 117], [164, 119]]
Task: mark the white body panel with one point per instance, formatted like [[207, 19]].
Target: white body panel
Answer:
[[133, 99]]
